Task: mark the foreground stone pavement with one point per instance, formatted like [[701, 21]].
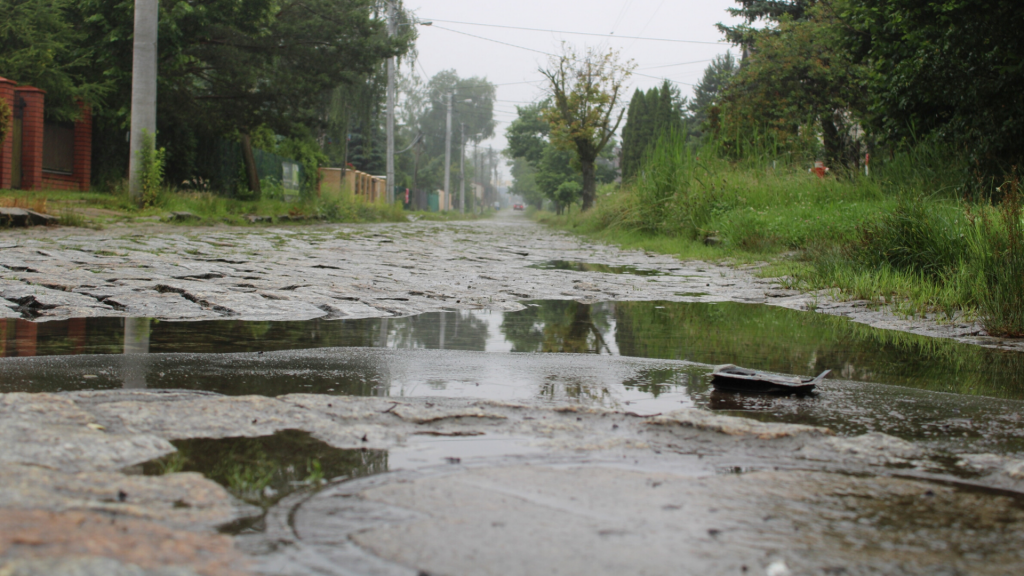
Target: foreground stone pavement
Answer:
[[575, 490]]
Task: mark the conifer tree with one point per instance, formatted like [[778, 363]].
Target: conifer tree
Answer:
[[631, 144]]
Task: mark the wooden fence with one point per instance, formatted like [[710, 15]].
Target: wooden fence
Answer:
[[363, 185]]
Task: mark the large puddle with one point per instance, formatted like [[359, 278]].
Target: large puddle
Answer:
[[755, 336], [642, 357]]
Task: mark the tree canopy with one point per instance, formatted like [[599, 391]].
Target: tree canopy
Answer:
[[953, 68], [40, 46]]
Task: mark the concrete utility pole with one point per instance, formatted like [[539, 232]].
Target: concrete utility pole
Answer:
[[462, 169], [447, 153], [143, 89], [392, 25], [497, 192]]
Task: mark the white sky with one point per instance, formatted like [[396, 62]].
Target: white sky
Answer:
[[515, 69]]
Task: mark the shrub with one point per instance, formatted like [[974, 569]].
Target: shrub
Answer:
[[151, 169]]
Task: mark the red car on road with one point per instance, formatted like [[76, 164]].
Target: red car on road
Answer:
[[517, 206]]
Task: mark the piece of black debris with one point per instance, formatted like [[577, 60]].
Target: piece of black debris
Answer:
[[731, 378]]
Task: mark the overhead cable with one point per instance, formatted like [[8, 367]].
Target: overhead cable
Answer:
[[495, 41], [676, 40]]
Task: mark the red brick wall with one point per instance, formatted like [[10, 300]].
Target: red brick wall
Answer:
[[6, 93], [81, 173], [83, 148], [32, 137], [32, 175], [53, 181]]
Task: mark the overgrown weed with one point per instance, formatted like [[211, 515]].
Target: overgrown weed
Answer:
[[913, 237]]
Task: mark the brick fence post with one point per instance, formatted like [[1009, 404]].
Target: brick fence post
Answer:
[[32, 137], [7, 146], [83, 148]]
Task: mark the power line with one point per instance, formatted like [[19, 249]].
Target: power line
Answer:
[[548, 53], [622, 13], [493, 40], [679, 64], [662, 78], [644, 29], [570, 32]]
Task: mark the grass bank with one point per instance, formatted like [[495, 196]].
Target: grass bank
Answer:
[[902, 238], [97, 209]]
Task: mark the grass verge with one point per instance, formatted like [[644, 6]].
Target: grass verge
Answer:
[[900, 238], [93, 209]]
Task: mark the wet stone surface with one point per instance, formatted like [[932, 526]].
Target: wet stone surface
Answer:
[[575, 476], [361, 271], [448, 399]]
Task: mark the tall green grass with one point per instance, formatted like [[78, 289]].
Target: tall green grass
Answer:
[[914, 235]]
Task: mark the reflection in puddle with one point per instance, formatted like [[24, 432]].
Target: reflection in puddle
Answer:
[[755, 336], [265, 469], [591, 267]]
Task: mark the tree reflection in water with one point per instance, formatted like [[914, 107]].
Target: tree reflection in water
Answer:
[[561, 326], [752, 335]]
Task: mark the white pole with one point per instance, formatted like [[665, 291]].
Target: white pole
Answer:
[[143, 115], [391, 110], [447, 154], [462, 171]]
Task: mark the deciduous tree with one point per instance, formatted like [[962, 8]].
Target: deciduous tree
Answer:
[[585, 89]]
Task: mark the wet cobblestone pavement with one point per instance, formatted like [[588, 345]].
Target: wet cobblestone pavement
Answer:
[[330, 272], [483, 459]]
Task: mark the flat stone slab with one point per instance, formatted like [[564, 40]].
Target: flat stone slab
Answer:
[[184, 500], [25, 217], [527, 520], [43, 543], [170, 306]]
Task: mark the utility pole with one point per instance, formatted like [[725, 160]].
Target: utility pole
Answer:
[[143, 118], [447, 153], [462, 169], [497, 192], [392, 25]]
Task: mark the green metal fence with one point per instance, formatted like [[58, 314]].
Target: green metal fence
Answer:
[[220, 162]]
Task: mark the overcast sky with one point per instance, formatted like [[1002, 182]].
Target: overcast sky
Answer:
[[514, 70]]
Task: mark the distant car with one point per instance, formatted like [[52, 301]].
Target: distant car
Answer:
[[517, 206]]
